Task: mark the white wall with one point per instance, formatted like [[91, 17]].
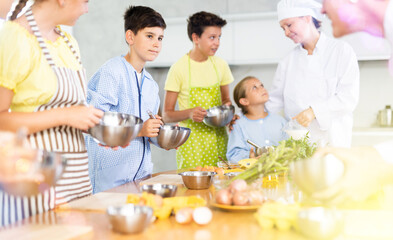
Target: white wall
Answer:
[[100, 36]]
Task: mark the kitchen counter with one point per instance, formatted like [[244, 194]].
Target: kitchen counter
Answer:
[[73, 223], [225, 225], [362, 136]]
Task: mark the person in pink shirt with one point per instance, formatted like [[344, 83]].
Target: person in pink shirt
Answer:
[[366, 168]]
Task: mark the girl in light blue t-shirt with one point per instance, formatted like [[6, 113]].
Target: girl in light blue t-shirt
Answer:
[[257, 125]]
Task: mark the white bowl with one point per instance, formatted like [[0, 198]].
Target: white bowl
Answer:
[[297, 134]]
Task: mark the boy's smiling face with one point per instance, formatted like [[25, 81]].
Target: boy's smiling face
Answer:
[[209, 41], [147, 43]]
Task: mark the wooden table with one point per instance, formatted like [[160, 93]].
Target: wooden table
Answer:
[[225, 225]]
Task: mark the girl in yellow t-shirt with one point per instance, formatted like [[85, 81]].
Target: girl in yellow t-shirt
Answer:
[[198, 81], [42, 83]]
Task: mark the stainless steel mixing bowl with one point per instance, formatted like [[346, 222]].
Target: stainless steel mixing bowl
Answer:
[[171, 137], [219, 116], [197, 179], [316, 174], [129, 218], [164, 190], [116, 129], [49, 164]]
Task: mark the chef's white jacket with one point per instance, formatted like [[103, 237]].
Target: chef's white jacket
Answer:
[[327, 81], [386, 148]]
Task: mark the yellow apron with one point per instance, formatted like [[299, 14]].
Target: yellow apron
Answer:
[[205, 144]]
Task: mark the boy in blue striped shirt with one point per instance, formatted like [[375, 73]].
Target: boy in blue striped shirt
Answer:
[[123, 85]]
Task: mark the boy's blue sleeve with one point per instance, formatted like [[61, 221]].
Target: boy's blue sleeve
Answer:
[[157, 106], [237, 145], [103, 89]]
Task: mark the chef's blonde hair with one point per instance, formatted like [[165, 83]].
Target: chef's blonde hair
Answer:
[[240, 92]]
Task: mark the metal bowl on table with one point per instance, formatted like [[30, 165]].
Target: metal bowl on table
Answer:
[[219, 116], [116, 129], [164, 190], [320, 223], [170, 137], [197, 179], [129, 218], [316, 173], [48, 164], [231, 175]]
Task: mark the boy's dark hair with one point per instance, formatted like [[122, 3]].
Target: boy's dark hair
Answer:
[[200, 20], [140, 17]]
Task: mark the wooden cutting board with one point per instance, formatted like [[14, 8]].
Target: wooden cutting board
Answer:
[[173, 179], [101, 201], [97, 202], [43, 231]]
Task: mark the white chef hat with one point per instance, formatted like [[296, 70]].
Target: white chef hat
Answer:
[[298, 8]]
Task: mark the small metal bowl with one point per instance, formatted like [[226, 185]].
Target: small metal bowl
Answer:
[[219, 116], [49, 164], [129, 218], [197, 179], [320, 223], [171, 137], [231, 175], [116, 129], [164, 190]]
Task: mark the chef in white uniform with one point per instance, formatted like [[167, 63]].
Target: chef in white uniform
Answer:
[[317, 83]]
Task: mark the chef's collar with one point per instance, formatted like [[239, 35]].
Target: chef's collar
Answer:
[[320, 46], [321, 42]]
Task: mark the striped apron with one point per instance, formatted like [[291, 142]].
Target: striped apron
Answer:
[[75, 181]]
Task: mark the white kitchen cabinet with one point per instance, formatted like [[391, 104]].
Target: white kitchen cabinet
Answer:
[[363, 136], [257, 38]]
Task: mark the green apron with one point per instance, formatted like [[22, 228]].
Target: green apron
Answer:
[[205, 144]]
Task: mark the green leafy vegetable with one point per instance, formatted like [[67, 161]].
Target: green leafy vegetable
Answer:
[[278, 160]]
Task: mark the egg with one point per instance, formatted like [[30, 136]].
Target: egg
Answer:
[[184, 215], [202, 215]]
